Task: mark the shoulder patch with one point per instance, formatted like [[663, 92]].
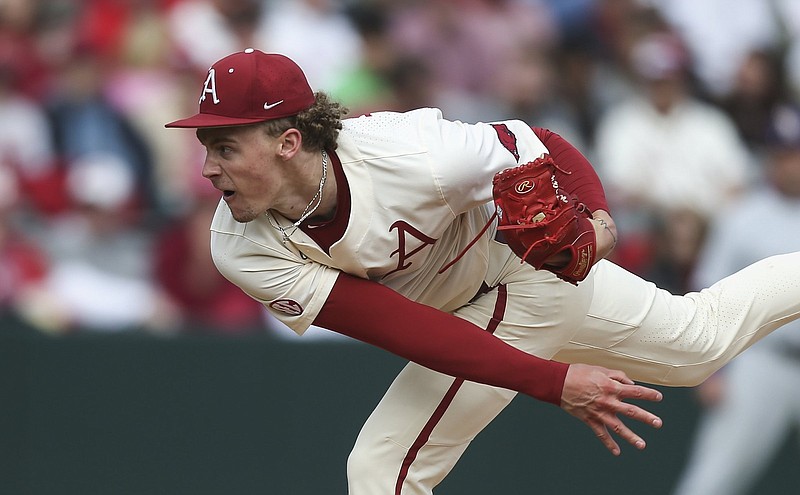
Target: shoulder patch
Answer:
[[288, 306], [507, 139]]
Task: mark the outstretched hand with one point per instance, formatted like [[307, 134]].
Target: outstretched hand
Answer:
[[595, 395]]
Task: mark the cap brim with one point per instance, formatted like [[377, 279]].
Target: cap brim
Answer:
[[210, 120]]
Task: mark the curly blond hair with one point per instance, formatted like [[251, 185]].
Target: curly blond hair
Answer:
[[319, 124]]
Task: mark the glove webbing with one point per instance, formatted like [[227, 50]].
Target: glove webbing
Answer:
[[555, 236]]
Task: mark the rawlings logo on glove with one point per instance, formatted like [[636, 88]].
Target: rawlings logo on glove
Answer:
[[543, 226]]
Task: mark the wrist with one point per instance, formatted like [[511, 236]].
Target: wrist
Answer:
[[605, 233]]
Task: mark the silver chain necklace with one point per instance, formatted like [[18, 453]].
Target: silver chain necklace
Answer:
[[308, 211]]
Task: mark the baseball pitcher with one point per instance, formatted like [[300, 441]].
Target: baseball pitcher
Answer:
[[474, 250]]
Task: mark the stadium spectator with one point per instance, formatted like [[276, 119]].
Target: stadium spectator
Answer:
[[101, 254], [85, 123], [665, 151], [716, 54], [758, 87], [316, 33], [205, 300], [466, 43], [23, 265]]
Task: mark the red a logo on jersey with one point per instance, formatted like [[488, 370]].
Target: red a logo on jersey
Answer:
[[403, 255]]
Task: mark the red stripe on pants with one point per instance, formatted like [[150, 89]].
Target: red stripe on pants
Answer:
[[424, 435]]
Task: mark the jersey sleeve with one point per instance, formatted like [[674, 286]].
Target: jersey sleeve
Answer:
[[377, 315], [464, 158], [579, 178], [290, 286]]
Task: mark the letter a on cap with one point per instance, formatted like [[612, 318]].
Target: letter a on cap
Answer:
[[256, 86], [210, 86]]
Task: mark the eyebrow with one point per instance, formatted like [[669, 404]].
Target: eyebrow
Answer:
[[207, 140]]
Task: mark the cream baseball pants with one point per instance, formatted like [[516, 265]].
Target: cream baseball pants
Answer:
[[426, 419]]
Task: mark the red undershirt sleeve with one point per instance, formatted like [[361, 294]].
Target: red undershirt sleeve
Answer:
[[582, 179], [377, 315]]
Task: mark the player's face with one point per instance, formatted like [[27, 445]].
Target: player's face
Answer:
[[241, 162]]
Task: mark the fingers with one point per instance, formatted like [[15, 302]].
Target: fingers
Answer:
[[642, 415], [613, 422], [634, 412], [617, 375], [628, 390], [602, 434], [620, 429], [631, 391], [605, 424], [597, 396]]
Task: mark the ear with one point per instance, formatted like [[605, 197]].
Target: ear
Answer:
[[290, 143]]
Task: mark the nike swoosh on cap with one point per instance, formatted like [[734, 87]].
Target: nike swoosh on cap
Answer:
[[269, 105]]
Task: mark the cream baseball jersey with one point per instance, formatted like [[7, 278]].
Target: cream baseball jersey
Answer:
[[419, 192]]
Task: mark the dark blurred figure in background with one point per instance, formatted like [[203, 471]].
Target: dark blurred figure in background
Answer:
[[466, 43], [204, 300], [85, 123], [758, 87], [528, 87], [717, 53], [365, 85], [23, 265]]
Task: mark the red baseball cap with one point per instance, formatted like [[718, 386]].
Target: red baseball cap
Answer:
[[250, 87]]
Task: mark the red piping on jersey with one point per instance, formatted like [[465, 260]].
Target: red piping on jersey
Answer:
[[425, 434], [326, 234], [470, 244]]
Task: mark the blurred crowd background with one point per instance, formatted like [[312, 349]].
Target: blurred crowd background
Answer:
[[104, 216], [687, 109]]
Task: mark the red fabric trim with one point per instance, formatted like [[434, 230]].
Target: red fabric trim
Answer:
[[499, 309], [582, 181], [326, 234], [425, 434]]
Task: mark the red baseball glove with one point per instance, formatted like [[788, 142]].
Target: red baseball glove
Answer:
[[541, 224]]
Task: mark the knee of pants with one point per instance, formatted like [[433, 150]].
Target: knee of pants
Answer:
[[358, 464], [374, 463]]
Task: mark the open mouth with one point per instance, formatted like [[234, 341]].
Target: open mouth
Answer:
[[228, 194]]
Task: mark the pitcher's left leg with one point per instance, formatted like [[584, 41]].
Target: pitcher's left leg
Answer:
[[661, 338]]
